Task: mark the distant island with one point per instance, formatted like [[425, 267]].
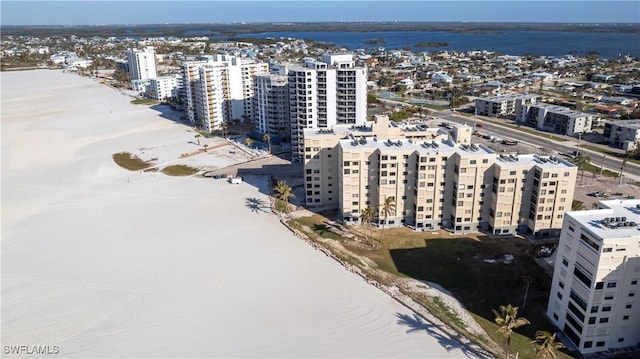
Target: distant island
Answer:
[[376, 41], [432, 44]]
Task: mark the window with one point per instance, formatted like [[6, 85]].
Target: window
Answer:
[[599, 285], [611, 285], [594, 309], [592, 320], [600, 344], [604, 320], [620, 340], [608, 297], [606, 250], [626, 317], [628, 306], [632, 294], [634, 282], [588, 344], [559, 295], [606, 308]]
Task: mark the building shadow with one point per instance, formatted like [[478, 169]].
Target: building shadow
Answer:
[[168, 113], [416, 323]]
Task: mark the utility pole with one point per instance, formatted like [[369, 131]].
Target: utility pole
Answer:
[[579, 138], [602, 164]]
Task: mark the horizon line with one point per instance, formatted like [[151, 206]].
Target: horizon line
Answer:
[[328, 21]]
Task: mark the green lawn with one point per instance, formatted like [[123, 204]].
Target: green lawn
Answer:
[[179, 170], [131, 162], [142, 101]]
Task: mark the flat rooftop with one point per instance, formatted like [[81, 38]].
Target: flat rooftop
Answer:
[[530, 160], [632, 124], [613, 219], [400, 145]]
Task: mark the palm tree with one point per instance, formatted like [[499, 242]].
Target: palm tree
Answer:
[[225, 127], [198, 138], [205, 147], [267, 137], [248, 142], [283, 193], [366, 215], [547, 344], [388, 207], [508, 320]]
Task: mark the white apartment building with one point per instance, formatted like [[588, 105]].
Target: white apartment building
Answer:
[[142, 67], [163, 88], [504, 105], [323, 94], [272, 99], [555, 118], [595, 293], [437, 180], [220, 89], [624, 134]]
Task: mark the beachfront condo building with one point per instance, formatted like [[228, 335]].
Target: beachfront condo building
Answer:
[[142, 67], [437, 179], [503, 105], [272, 99], [595, 293], [163, 88], [325, 93], [555, 118], [219, 89]]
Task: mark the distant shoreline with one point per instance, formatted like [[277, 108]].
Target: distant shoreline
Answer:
[[225, 29]]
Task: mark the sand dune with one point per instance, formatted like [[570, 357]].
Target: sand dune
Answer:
[[104, 262]]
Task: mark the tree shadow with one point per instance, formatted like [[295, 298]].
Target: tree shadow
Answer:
[[256, 205], [417, 324]]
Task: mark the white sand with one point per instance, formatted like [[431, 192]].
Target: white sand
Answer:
[[104, 262]]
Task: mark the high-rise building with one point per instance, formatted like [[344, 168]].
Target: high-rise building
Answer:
[[436, 179], [323, 94], [595, 293], [272, 99], [142, 67], [219, 89]]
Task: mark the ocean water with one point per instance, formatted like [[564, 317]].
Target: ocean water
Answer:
[[609, 45]]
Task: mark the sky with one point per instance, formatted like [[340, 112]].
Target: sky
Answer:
[[114, 12]]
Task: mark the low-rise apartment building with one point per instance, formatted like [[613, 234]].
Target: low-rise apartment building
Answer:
[[436, 179], [555, 119], [504, 105], [595, 293], [624, 134]]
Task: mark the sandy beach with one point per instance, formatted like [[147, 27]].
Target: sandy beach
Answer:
[[105, 262]]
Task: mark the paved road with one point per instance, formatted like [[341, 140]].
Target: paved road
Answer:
[[631, 169]]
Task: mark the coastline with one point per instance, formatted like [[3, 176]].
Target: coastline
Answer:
[[156, 265]]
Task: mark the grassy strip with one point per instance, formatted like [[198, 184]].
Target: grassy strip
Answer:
[[179, 170], [317, 225], [618, 155], [142, 101], [132, 163], [525, 129]]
